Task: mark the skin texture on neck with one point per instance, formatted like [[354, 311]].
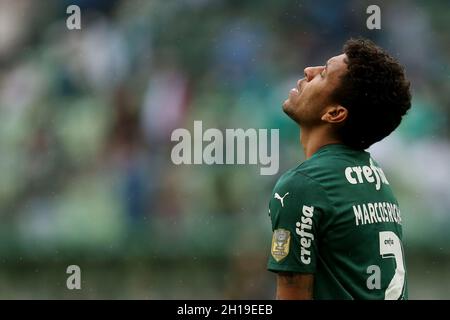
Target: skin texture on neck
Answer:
[[312, 139]]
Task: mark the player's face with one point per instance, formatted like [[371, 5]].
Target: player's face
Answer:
[[308, 99]]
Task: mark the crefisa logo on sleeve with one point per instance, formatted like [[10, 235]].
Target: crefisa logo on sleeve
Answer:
[[304, 230]]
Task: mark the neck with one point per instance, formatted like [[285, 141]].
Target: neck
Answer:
[[312, 139]]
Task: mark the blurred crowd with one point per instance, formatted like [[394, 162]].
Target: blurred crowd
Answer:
[[86, 118]]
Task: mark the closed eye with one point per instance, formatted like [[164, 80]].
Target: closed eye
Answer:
[[322, 74]]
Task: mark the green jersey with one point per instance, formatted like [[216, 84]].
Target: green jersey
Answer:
[[335, 216]]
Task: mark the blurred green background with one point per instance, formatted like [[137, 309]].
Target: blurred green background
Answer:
[[85, 124]]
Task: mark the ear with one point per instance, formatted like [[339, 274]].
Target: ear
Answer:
[[335, 114]]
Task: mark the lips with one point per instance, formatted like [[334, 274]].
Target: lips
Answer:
[[298, 89]]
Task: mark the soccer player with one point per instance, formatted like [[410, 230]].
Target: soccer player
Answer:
[[337, 226]]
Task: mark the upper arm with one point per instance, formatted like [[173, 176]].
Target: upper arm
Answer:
[[296, 223], [294, 286], [296, 207]]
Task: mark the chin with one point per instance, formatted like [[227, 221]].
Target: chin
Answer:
[[289, 111], [286, 106]]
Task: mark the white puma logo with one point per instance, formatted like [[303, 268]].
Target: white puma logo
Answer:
[[277, 196]]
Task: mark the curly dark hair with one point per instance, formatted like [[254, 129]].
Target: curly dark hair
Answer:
[[375, 92]]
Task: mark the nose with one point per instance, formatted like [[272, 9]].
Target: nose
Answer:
[[311, 72]]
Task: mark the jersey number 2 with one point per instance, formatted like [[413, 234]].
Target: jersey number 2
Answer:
[[391, 247]]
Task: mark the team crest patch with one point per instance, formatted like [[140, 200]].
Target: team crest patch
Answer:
[[280, 244]]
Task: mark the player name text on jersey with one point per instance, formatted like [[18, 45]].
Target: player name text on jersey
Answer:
[[376, 212]]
